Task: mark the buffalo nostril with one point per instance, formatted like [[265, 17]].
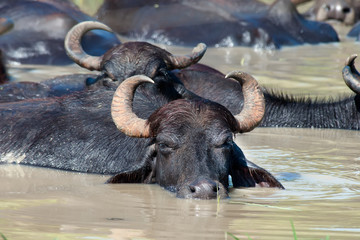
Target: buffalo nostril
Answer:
[[346, 10], [202, 188], [216, 188]]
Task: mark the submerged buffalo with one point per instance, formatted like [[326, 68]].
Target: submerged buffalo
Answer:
[[40, 28], [344, 11], [193, 150], [214, 22], [168, 135]]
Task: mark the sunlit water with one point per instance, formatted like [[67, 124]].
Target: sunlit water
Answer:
[[320, 169]]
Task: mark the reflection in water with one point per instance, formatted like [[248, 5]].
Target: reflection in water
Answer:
[[319, 168]]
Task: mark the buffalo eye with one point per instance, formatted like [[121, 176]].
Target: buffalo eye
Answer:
[[165, 148], [226, 144]]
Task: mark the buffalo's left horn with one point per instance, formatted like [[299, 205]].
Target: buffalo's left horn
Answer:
[[73, 45], [254, 103], [183, 61], [350, 75], [121, 108]]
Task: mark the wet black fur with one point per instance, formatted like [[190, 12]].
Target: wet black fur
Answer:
[[281, 109], [76, 131], [284, 110]]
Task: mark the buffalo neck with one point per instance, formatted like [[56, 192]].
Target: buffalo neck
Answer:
[[284, 111]]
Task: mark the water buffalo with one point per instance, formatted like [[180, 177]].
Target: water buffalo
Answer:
[[214, 22], [185, 146], [345, 11], [40, 28], [193, 141], [336, 11], [282, 110], [115, 65]]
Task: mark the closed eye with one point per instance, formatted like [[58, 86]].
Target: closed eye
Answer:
[[227, 143], [166, 148], [163, 146], [167, 141]]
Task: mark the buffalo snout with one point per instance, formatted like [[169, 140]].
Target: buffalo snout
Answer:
[[202, 188]]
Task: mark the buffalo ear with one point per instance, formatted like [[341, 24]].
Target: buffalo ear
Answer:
[[137, 176], [247, 174], [262, 177], [144, 174]]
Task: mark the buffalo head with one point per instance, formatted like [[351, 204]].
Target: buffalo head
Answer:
[[127, 59], [192, 151], [345, 11]]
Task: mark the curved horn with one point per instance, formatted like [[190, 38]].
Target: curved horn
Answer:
[[5, 25], [73, 44], [121, 108], [254, 103], [350, 75], [183, 61]]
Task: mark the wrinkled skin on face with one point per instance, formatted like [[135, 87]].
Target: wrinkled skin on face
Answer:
[[214, 22], [40, 28], [192, 155]]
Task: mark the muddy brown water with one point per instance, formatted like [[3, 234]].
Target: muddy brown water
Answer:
[[320, 169]]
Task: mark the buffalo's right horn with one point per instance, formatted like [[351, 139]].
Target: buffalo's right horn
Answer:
[[350, 75], [183, 61], [121, 108], [73, 45], [254, 102]]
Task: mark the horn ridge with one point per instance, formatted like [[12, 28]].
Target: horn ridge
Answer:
[[254, 102], [350, 74], [74, 49], [121, 108], [183, 61]]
